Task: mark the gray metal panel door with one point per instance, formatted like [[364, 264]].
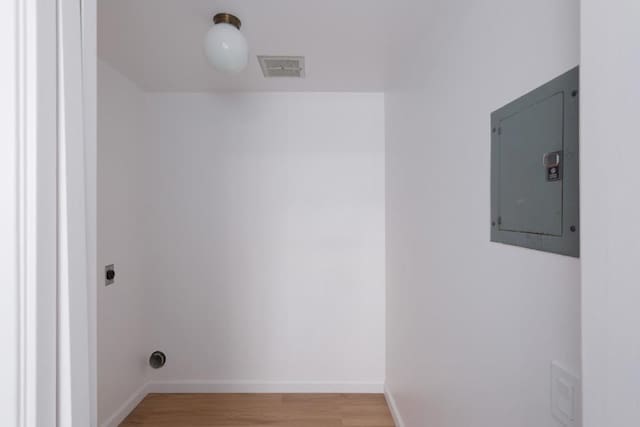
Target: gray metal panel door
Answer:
[[528, 202], [533, 203]]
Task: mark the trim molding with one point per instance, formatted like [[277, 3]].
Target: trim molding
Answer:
[[126, 408], [29, 195], [393, 407], [230, 386]]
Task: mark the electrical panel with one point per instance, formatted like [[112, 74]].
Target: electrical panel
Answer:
[[534, 169]]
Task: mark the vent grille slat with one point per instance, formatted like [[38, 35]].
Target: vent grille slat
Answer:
[[282, 66]]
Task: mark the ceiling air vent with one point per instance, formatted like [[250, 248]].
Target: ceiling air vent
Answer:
[[282, 66]]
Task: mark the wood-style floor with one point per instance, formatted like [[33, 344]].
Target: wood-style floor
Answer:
[[254, 410]]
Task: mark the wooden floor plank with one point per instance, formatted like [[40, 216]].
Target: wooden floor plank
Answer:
[[259, 410]]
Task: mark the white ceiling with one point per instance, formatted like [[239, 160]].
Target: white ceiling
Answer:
[[159, 43]]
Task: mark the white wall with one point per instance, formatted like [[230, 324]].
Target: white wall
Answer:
[[610, 212], [472, 325], [123, 307], [9, 242], [265, 222]]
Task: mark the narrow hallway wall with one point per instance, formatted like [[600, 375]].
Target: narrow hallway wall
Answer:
[[611, 208], [472, 326], [122, 307]]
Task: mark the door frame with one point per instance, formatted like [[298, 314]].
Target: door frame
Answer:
[[47, 243], [76, 300], [28, 189]]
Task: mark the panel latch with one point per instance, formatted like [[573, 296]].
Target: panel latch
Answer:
[[553, 165]]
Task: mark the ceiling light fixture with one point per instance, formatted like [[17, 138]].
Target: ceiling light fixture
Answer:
[[225, 46]]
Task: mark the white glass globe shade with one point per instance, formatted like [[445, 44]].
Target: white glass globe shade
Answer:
[[226, 48]]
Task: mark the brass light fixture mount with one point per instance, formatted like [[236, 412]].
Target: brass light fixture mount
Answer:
[[227, 18]]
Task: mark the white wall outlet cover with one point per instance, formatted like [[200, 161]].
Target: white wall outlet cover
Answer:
[[565, 396]]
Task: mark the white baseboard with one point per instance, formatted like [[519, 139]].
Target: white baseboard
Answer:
[[126, 408], [397, 419], [226, 386]]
